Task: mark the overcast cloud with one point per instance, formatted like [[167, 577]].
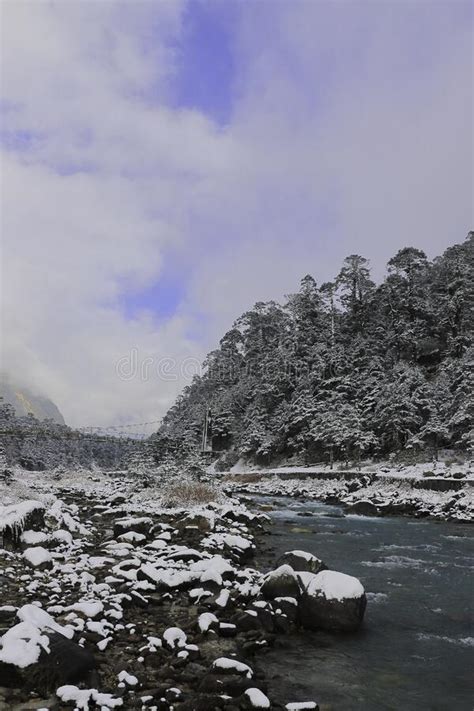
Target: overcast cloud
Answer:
[[349, 129]]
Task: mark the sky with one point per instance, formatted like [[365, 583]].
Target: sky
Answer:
[[167, 163]]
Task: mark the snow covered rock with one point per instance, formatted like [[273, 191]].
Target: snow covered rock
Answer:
[[186, 555], [331, 600], [82, 698], [38, 557], [87, 608], [43, 649], [125, 678], [58, 660], [224, 665], [61, 536], [197, 521], [15, 518], [288, 606], [207, 621], [22, 644], [167, 578], [364, 507], [132, 537], [281, 582], [66, 662], [42, 620], [130, 523], [174, 637], [33, 538], [302, 561], [256, 699]]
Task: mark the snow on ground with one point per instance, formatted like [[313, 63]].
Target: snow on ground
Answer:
[[138, 587], [446, 467], [121, 574]]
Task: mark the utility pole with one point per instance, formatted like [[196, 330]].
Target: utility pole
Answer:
[[205, 430]]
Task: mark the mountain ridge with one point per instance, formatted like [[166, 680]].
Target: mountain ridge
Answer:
[[25, 401]]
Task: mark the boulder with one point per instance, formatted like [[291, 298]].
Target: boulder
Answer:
[[15, 518], [331, 601], [302, 561], [281, 582], [254, 698], [66, 662], [288, 606], [243, 621], [364, 507], [197, 521], [69, 661], [130, 523], [38, 557]]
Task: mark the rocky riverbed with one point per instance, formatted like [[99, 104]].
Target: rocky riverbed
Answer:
[[112, 599], [371, 494]]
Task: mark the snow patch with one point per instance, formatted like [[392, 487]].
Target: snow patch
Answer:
[[257, 699], [82, 697], [232, 665], [37, 556], [331, 584]]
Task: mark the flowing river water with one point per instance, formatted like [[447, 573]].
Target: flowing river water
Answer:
[[415, 649]]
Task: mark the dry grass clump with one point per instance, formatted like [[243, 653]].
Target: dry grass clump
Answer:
[[189, 493]]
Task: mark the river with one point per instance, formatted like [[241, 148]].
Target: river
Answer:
[[415, 648]]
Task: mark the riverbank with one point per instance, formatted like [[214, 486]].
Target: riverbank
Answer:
[[111, 599], [112, 596], [381, 493]]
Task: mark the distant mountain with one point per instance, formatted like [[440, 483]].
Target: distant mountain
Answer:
[[24, 401]]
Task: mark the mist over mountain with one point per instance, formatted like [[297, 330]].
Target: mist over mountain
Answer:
[[24, 401]]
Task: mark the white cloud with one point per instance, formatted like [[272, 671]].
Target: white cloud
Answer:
[[354, 126], [71, 241], [349, 133]]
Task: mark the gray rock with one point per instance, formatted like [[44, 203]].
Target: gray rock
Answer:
[[302, 561], [364, 508], [281, 582], [331, 601]]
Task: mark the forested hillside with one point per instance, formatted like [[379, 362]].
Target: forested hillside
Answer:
[[344, 369]]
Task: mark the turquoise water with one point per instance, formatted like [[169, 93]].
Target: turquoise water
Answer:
[[415, 649]]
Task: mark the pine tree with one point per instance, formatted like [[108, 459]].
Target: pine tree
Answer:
[[356, 289]]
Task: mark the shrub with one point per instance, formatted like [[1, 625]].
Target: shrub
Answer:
[[189, 493]]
